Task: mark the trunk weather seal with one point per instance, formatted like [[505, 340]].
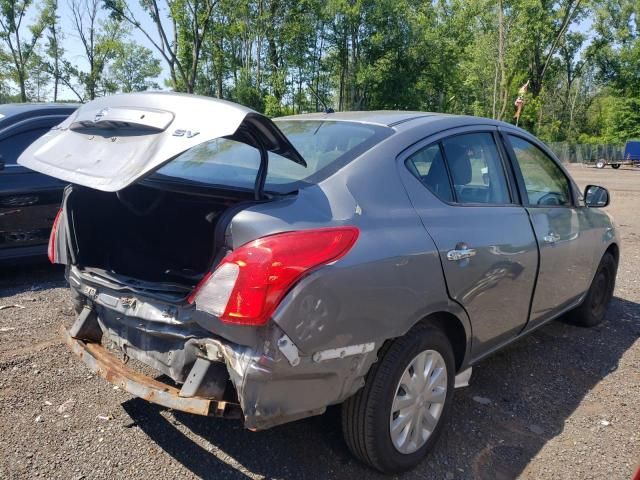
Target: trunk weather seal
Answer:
[[261, 176]]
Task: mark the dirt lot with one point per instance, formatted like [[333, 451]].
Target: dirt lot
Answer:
[[562, 403]]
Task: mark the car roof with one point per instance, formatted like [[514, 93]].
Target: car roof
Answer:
[[387, 118], [400, 119], [10, 113], [9, 109]]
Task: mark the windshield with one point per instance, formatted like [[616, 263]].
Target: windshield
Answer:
[[325, 145]]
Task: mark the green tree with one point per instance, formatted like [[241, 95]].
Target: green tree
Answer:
[[134, 68], [179, 35], [38, 78], [616, 49], [100, 37], [19, 39], [613, 116], [54, 49]]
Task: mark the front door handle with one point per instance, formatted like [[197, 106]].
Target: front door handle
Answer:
[[551, 238], [460, 254]]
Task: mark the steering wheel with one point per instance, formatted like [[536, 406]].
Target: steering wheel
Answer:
[[551, 198]]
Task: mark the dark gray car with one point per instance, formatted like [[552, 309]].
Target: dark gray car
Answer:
[[28, 200], [271, 269]]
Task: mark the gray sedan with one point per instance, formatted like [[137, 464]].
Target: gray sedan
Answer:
[[269, 269]]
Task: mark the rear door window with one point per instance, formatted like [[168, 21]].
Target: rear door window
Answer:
[[463, 169], [476, 169], [428, 166]]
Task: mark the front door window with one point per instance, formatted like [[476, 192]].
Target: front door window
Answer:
[[544, 181]]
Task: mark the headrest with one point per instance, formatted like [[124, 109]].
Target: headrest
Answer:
[[459, 163]]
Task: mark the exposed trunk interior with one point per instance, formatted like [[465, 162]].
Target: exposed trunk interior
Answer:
[[147, 233]]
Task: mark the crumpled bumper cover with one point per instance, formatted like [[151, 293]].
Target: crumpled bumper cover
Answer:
[[269, 387], [112, 369]]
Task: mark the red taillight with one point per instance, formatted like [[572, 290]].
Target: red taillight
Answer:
[[51, 250], [250, 282]]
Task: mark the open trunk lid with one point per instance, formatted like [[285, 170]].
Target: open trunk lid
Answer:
[[112, 142]]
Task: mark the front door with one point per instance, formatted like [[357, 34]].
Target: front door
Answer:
[[560, 229], [485, 240]]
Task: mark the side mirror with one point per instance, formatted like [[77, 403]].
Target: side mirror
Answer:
[[596, 197]]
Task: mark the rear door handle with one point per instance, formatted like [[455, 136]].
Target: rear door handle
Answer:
[[460, 254]]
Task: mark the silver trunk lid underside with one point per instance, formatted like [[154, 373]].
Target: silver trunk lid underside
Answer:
[[112, 142]]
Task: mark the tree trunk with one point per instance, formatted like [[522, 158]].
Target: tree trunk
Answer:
[[56, 60], [275, 69], [501, 48], [353, 100], [220, 67], [56, 80], [495, 93], [22, 81], [573, 106]]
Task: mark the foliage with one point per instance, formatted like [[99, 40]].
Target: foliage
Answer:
[[133, 68], [19, 50], [293, 56]]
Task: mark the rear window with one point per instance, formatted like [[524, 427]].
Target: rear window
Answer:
[[325, 145]]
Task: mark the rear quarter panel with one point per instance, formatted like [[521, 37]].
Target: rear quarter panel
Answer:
[[392, 277]]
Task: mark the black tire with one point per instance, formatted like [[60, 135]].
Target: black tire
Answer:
[[615, 166], [594, 306], [365, 416]]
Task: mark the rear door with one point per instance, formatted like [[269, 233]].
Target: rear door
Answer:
[[561, 227], [484, 238], [28, 200]]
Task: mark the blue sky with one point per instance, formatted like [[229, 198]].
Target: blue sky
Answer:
[[73, 46]]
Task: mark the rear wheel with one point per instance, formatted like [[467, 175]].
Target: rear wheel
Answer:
[[594, 307], [600, 163], [394, 421], [615, 166]]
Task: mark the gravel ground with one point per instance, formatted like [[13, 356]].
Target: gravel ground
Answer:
[[562, 403]]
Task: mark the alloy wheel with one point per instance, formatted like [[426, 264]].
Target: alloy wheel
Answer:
[[418, 401]]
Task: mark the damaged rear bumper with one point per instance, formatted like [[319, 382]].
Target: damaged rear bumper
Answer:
[[112, 369], [267, 383]]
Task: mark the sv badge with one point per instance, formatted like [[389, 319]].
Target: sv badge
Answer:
[[185, 133]]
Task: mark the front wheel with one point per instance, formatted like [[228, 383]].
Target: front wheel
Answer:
[[600, 163], [595, 304], [615, 166], [394, 421]]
